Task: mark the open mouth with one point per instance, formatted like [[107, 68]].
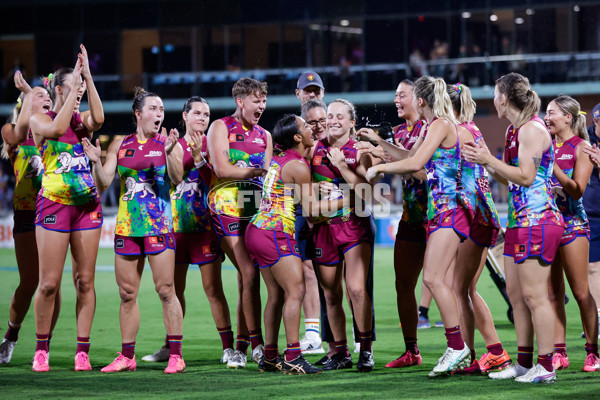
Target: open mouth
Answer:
[[47, 106], [157, 124], [257, 114]]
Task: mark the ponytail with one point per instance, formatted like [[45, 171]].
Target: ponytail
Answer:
[[462, 103], [518, 92], [433, 92]]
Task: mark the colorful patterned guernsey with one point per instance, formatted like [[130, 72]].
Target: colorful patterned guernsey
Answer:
[[533, 205], [323, 170], [189, 199], [475, 193], [247, 150], [443, 175], [565, 155], [29, 167], [414, 209], [67, 178], [144, 206], [277, 210]]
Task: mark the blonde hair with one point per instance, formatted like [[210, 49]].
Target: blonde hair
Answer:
[[433, 92], [569, 105], [14, 116], [351, 113], [463, 104], [518, 92]]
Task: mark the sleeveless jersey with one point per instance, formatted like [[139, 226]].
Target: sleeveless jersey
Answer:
[[565, 155], [67, 178], [144, 206], [277, 210], [414, 209], [323, 170], [443, 176], [189, 199], [475, 193], [247, 150], [28, 166], [534, 205]]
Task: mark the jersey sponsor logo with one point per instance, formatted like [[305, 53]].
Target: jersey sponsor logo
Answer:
[[519, 248], [234, 226], [96, 217], [350, 160], [120, 243], [321, 160], [157, 239], [50, 219], [233, 137], [154, 153], [126, 153], [133, 187], [258, 141], [565, 157], [208, 250], [69, 162], [318, 253]]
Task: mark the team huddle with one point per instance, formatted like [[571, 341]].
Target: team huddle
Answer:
[[184, 200]]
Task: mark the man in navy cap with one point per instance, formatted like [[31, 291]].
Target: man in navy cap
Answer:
[[310, 86], [592, 209]]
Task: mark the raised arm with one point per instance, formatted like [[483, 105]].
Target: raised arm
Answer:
[[22, 124], [103, 174], [218, 149], [94, 118], [174, 156]]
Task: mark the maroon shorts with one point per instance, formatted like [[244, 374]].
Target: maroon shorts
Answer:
[[267, 247], [535, 241], [67, 218], [458, 219], [229, 226], [412, 232], [573, 233], [23, 221], [143, 246], [197, 247], [334, 237], [484, 235]]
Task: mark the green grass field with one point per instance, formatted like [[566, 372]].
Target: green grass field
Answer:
[[205, 377]]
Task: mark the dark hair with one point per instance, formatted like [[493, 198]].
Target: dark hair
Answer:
[[518, 92], [313, 103], [58, 79], [247, 86], [284, 131], [187, 106], [139, 100]]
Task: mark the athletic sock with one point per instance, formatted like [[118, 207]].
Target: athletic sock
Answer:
[[83, 344], [591, 349], [473, 356], [293, 351], [226, 337], [175, 344], [424, 312], [49, 340], [545, 360], [241, 343], [12, 333], [454, 337], [366, 341], [271, 351], [411, 345], [166, 341], [341, 346], [256, 338], [128, 350], [525, 356], [560, 348], [42, 342], [312, 327], [495, 349]]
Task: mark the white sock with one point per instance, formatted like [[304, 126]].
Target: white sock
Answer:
[[312, 327]]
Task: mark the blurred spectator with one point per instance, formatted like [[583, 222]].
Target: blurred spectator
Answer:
[[417, 64]]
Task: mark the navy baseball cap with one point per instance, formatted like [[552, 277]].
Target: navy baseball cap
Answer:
[[596, 111], [309, 79]]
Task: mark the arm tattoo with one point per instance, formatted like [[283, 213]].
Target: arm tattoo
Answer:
[[537, 161]]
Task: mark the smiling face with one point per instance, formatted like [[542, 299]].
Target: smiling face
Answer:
[[41, 100], [152, 115], [556, 120], [252, 107], [197, 119], [305, 132], [316, 118], [404, 101], [338, 120]]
